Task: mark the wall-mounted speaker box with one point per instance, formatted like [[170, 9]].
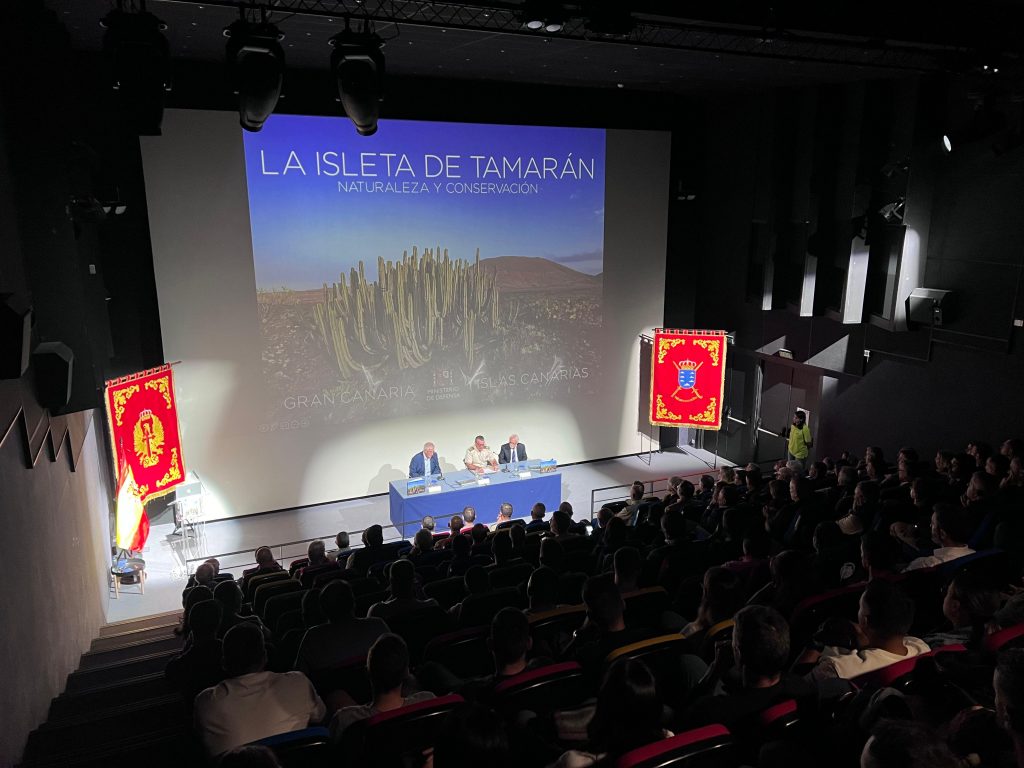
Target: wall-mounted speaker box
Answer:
[[927, 306], [52, 364], [15, 335]]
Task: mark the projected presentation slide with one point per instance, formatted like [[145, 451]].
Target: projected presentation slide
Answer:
[[432, 265]]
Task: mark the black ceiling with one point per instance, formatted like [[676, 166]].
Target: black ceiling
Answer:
[[676, 47]]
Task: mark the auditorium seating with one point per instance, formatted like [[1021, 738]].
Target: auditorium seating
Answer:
[[464, 650], [308, 748], [543, 690], [707, 747], [390, 738]]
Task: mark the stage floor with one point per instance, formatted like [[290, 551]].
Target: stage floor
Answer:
[[169, 558]]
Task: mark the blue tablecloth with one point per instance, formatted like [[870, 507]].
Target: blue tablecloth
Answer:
[[459, 489]]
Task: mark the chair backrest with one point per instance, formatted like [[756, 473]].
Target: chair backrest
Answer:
[[464, 652], [387, 738], [719, 631], [278, 605], [708, 746], [299, 749], [419, 627], [266, 591], [447, 592], [294, 565], [570, 588], [263, 578], [898, 675], [349, 675], [325, 577], [1011, 637], [310, 572], [543, 690], [811, 611], [509, 575], [644, 649], [645, 607], [478, 610]]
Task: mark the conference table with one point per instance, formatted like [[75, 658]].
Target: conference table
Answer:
[[446, 495]]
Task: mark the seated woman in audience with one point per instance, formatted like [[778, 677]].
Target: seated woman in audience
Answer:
[[628, 715], [723, 595], [878, 639], [970, 603]]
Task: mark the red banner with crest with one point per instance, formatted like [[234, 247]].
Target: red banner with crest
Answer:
[[143, 418], [687, 378]]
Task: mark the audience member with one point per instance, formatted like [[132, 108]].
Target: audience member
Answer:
[[759, 661], [542, 590], [905, 744], [504, 516], [723, 594], [636, 498], [970, 603], [537, 521], [229, 595], [428, 523], [627, 716], [373, 551], [627, 566], [343, 637], [605, 626], [265, 563], [1008, 682], [879, 638], [341, 554], [469, 519], [253, 703], [387, 664], [402, 586], [199, 666], [950, 530]]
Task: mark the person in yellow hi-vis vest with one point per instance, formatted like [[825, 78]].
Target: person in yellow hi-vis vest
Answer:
[[799, 438]]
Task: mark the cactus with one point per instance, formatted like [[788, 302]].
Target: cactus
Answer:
[[403, 316]]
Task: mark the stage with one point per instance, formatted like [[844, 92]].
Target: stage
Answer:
[[167, 556]]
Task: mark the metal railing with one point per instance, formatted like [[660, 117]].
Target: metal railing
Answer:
[[295, 549]]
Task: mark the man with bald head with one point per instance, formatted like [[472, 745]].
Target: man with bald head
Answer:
[[512, 451], [425, 462]]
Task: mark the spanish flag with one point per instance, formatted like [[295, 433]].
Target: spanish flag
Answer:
[[132, 523]]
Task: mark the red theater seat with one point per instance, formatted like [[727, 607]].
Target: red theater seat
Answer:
[[544, 690], [398, 737], [707, 747], [899, 674], [1011, 637]]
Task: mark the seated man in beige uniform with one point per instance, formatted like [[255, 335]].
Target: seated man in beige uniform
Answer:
[[479, 456]]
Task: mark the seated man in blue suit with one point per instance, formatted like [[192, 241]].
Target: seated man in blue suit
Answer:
[[424, 460], [511, 451]]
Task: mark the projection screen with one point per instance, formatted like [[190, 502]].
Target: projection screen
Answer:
[[336, 300]]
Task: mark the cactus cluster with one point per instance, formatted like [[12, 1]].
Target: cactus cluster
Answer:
[[416, 307]]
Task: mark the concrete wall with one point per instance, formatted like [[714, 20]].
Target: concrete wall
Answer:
[[55, 548]]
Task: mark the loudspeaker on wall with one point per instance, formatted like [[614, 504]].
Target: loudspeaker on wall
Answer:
[[52, 364], [15, 335]]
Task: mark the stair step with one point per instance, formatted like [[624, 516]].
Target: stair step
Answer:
[[103, 675], [156, 620], [150, 719], [168, 749], [96, 701], [129, 651], [123, 639]]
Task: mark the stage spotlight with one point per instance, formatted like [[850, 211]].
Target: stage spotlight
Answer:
[[256, 61], [358, 67], [547, 15], [139, 59]]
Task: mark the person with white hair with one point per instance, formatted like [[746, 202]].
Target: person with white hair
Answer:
[[425, 462], [512, 451]]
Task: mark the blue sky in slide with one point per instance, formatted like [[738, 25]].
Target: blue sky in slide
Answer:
[[312, 217]]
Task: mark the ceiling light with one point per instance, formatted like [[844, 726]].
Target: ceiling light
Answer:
[[257, 68], [358, 67], [947, 144], [139, 60]]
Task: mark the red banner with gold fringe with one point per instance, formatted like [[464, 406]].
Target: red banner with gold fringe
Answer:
[[143, 418], [687, 378]]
